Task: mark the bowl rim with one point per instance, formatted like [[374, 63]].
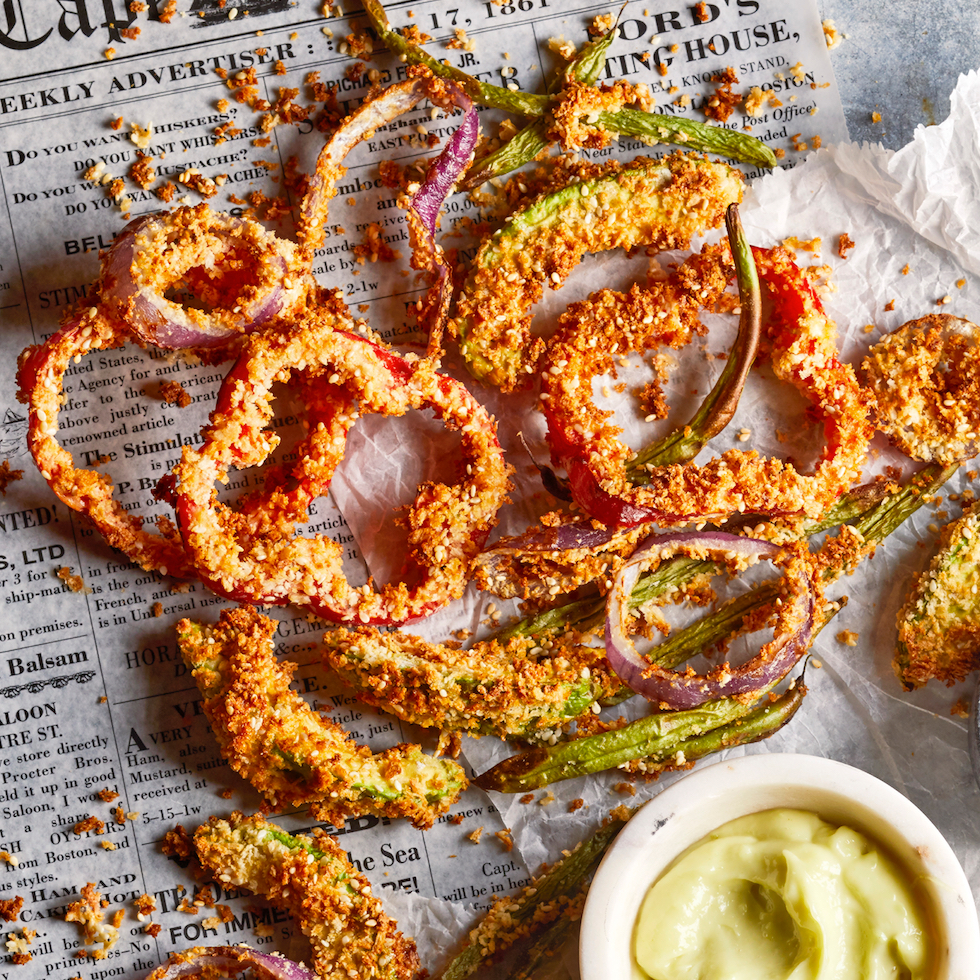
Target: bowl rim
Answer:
[[704, 800]]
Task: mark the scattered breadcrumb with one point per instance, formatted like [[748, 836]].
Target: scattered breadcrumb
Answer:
[[107, 795], [90, 823], [848, 638], [476, 835], [627, 789], [844, 244], [145, 905], [157, 609], [960, 708], [604, 23], [74, 582], [8, 476], [527, 798], [803, 244], [757, 100], [109, 53], [10, 908], [87, 912], [17, 944], [549, 797], [721, 104], [119, 815], [576, 805], [831, 35], [889, 306], [564, 49], [876, 117], [107, 845], [505, 838], [461, 41], [174, 393]]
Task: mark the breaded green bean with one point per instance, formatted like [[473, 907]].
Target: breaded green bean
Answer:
[[291, 754], [349, 932]]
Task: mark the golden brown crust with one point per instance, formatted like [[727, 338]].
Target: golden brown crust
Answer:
[[291, 754], [926, 379], [350, 934]]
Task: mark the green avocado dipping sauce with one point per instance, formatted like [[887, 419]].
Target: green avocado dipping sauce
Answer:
[[783, 895]]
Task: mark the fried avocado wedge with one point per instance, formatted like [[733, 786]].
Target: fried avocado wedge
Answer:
[[291, 754], [939, 625], [521, 687], [310, 877], [656, 203]]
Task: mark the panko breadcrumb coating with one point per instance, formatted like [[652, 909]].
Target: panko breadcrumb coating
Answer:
[[926, 380], [349, 932], [939, 625], [656, 203], [291, 754]]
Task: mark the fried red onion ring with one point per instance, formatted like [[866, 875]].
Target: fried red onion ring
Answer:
[[40, 376], [229, 961], [678, 690], [448, 525], [240, 273], [547, 561], [426, 202], [800, 340]]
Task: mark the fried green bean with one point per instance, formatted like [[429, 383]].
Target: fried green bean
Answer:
[[525, 145], [649, 127], [545, 900], [718, 408]]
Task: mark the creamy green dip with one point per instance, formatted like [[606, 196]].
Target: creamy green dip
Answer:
[[783, 895]]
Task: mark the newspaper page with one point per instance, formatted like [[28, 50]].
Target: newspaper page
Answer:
[[109, 111]]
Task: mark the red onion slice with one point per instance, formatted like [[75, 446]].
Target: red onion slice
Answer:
[[230, 961], [678, 691], [155, 252], [427, 202]]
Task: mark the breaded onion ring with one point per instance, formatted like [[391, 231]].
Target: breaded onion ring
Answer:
[[800, 340], [240, 273], [423, 209], [926, 380], [41, 371], [447, 524], [681, 690], [40, 375]]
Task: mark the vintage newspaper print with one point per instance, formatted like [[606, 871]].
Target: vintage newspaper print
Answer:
[[111, 110]]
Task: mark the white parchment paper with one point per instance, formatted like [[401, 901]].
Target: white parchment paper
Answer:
[[913, 215]]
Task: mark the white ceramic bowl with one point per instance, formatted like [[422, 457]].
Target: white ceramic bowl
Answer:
[[694, 806]]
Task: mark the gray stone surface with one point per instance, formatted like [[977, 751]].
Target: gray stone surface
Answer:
[[901, 58]]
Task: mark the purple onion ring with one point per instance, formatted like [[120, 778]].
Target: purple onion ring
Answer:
[[427, 201], [156, 251], [678, 691], [230, 961]]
